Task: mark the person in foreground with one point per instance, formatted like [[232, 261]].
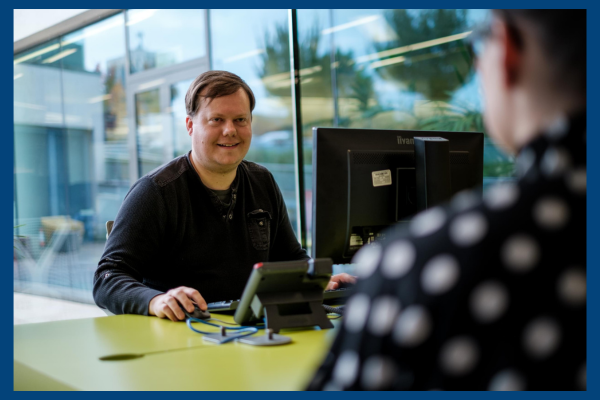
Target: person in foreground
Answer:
[[191, 230], [489, 293]]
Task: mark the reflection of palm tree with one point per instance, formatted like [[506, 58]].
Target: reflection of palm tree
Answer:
[[422, 70], [352, 82], [457, 117]]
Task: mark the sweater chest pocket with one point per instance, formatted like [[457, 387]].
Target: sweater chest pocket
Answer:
[[259, 225]]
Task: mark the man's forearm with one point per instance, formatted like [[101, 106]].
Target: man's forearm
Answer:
[[119, 292]]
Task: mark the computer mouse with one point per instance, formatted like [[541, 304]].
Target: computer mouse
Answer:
[[197, 313]]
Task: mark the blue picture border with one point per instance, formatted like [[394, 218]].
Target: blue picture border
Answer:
[[7, 166]]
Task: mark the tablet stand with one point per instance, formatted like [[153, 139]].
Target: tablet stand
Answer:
[[291, 309]]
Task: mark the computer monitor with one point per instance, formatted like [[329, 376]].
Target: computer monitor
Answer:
[[365, 180]]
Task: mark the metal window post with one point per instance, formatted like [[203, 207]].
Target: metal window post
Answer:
[[297, 124]]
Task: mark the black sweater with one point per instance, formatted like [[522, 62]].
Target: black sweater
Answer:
[[173, 231]]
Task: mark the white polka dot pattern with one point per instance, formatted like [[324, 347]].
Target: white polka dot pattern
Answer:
[[551, 213], [367, 259], [464, 200], [507, 380], [357, 312], [346, 368], [541, 337], [501, 196], [489, 301], [427, 222], [440, 274], [571, 286], [577, 181], [525, 161], [510, 262], [468, 229], [331, 387], [385, 309], [555, 161], [378, 373], [520, 253], [558, 129], [459, 356], [412, 327], [398, 259]]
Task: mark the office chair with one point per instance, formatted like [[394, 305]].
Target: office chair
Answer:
[[109, 226]]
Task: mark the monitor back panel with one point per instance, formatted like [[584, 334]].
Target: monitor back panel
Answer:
[[333, 150]]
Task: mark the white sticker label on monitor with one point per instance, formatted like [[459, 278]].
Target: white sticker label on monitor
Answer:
[[382, 178]]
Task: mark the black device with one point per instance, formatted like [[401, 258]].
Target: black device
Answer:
[[197, 313], [365, 180], [334, 296], [286, 294], [223, 306], [337, 296], [433, 181]]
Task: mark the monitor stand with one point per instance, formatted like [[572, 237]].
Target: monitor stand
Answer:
[[291, 309], [432, 171]]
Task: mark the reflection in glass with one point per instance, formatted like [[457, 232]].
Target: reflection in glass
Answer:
[[262, 59], [158, 38], [181, 138], [392, 69], [71, 158], [149, 131]]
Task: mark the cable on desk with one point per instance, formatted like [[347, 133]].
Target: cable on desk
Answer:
[[221, 321], [243, 330]]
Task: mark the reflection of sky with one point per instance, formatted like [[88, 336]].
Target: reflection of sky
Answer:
[[179, 33], [101, 42], [469, 95], [251, 26], [307, 21], [181, 140], [239, 50], [360, 39]]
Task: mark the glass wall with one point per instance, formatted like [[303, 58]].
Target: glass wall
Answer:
[[71, 157], [149, 131], [392, 69], [258, 51], [181, 138], [159, 38], [96, 109]]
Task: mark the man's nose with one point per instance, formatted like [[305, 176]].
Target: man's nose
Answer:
[[229, 129]]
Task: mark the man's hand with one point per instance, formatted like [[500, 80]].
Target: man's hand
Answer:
[[340, 279], [167, 305]]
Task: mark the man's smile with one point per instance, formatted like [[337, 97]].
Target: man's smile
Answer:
[[227, 145]]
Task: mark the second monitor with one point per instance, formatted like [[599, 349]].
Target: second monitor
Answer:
[[365, 180]]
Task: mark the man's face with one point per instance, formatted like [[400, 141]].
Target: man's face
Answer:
[[221, 132]]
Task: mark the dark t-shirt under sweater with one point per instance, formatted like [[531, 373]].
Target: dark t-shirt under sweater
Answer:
[[173, 231]]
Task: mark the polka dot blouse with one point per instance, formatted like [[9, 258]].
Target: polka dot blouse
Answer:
[[485, 293]]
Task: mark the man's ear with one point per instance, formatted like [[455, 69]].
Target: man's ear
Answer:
[[511, 52], [189, 125]]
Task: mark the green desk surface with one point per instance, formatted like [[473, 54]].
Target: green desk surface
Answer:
[[64, 355]]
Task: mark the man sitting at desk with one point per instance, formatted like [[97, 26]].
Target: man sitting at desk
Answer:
[[489, 294], [192, 229]]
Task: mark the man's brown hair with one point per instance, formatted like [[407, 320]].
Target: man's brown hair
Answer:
[[213, 84]]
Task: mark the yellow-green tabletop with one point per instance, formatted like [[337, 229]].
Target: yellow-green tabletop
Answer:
[[65, 355]]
